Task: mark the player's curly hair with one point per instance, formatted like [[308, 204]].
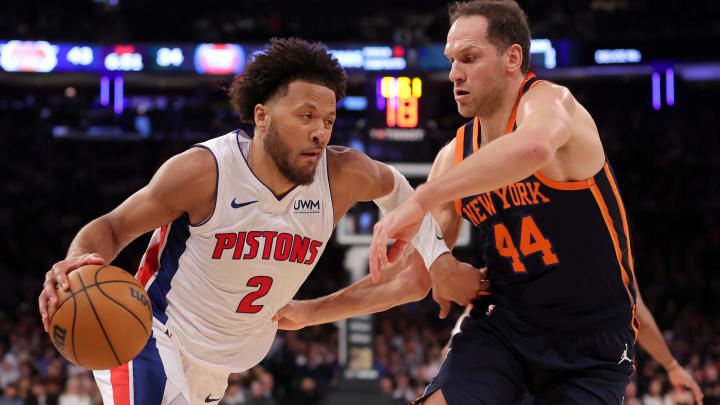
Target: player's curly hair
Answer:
[[286, 60], [507, 23]]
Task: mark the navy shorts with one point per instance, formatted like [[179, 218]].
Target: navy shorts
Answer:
[[500, 359]]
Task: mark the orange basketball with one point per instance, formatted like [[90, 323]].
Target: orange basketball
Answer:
[[104, 320]]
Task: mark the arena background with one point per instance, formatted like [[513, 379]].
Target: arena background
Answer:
[[119, 86]]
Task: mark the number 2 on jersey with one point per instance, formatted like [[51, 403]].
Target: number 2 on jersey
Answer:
[[246, 304], [531, 241]]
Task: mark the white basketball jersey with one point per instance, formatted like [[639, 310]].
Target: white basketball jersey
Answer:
[[217, 284]]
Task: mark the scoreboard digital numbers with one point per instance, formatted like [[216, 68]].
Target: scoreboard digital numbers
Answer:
[[399, 97]]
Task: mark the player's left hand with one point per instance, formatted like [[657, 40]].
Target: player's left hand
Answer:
[[293, 316], [402, 224], [456, 281], [681, 379]]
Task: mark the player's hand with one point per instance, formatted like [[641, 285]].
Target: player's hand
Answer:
[[402, 224], [681, 379], [56, 278], [293, 316], [456, 281]]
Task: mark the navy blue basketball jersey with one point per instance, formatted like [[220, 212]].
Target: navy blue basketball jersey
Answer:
[[558, 253]]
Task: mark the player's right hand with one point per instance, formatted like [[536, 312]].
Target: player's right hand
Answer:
[[293, 316], [456, 281], [57, 278]]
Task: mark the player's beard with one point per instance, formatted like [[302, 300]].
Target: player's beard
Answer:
[[489, 101], [280, 152]]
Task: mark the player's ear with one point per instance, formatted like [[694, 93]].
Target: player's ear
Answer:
[[261, 116], [514, 57]]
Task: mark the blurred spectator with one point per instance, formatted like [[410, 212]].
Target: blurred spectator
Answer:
[[308, 394], [9, 369], [258, 394], [386, 386], [403, 392], [234, 395], [655, 394], [74, 393], [10, 396], [631, 392], [40, 396]]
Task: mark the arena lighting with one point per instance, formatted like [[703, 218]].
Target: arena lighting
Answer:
[[380, 100], [669, 87], [105, 91], [219, 59], [28, 56], [169, 57], [119, 101], [348, 58], [124, 58], [80, 55], [656, 90], [544, 46], [402, 94], [377, 52], [385, 64], [354, 103], [605, 56], [381, 58]]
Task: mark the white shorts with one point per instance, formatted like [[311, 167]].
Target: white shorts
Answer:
[[161, 375]]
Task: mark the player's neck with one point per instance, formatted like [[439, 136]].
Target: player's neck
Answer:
[[493, 126], [263, 166]]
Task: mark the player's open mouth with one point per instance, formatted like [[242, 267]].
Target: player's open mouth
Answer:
[[461, 94], [313, 154]]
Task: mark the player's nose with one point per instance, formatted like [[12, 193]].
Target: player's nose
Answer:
[[319, 135], [456, 74]]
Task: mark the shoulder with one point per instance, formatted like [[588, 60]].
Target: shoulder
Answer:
[[193, 170], [342, 160], [444, 160], [548, 92], [196, 161]]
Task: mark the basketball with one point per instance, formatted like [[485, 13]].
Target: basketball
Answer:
[[104, 319]]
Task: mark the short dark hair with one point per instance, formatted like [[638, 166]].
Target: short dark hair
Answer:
[[286, 60], [507, 23]]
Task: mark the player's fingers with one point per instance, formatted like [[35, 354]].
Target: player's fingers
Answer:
[[382, 248], [396, 250], [444, 308], [444, 305], [373, 260], [697, 392], [42, 306], [281, 313], [49, 290]]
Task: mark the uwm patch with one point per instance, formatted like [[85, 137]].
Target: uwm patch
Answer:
[[306, 207]]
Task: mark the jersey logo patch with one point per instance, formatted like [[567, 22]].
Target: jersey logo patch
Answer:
[[238, 205], [624, 355], [208, 399], [306, 207]]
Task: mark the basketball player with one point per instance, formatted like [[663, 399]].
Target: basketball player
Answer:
[[529, 171], [240, 223]]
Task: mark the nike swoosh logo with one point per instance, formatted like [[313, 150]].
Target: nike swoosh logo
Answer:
[[439, 237], [238, 205], [208, 399]]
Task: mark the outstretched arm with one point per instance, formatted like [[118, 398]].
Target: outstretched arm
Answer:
[[652, 341], [185, 183], [399, 284], [403, 281], [544, 126]]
